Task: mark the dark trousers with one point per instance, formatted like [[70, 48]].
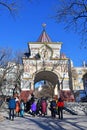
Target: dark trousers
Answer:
[[60, 110], [53, 113], [33, 113], [11, 113]]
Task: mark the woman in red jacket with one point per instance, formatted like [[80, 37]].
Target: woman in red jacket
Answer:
[[60, 105]]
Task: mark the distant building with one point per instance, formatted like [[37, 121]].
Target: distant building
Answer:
[[79, 79]]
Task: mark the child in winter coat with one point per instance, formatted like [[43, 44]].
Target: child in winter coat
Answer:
[[22, 108], [17, 109]]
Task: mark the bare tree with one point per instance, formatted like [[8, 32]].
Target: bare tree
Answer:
[[12, 5], [73, 13], [11, 69], [18, 61], [5, 57]]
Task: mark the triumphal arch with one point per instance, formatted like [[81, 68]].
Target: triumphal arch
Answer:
[[44, 61]]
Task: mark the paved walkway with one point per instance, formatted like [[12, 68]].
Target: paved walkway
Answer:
[[70, 122]]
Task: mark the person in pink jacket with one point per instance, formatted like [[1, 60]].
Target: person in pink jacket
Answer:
[[43, 107]]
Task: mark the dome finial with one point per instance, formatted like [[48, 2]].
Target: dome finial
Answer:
[[43, 25]]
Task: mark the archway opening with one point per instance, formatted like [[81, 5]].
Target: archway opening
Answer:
[[46, 75], [45, 83]]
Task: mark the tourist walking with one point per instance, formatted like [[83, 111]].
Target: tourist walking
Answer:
[[43, 107], [17, 110], [53, 108], [12, 106], [60, 105], [33, 108], [38, 105], [22, 108]]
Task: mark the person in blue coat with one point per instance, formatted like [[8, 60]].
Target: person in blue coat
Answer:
[[53, 108], [12, 106]]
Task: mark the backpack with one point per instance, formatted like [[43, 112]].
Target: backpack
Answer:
[[53, 104]]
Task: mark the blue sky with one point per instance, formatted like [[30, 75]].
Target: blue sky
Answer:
[[26, 27]]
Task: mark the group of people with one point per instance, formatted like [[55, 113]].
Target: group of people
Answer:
[[39, 107], [35, 107]]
